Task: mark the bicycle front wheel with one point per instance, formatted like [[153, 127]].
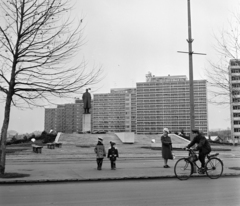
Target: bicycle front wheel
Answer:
[[214, 168], [183, 169]]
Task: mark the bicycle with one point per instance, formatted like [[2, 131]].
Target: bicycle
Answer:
[[184, 167]]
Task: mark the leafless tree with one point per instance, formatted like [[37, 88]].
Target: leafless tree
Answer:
[[228, 48], [38, 39], [218, 83]]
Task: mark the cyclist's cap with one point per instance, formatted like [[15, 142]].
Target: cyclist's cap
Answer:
[[195, 130], [100, 139]]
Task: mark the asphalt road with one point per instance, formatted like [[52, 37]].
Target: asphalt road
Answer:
[[195, 191]]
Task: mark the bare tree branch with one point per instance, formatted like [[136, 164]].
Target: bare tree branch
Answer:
[[37, 44]]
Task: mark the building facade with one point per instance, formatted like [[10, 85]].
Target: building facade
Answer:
[[157, 103], [114, 111], [65, 118], [50, 119], [164, 102], [234, 78]]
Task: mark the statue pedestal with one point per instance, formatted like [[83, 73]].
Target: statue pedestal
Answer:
[[86, 122]]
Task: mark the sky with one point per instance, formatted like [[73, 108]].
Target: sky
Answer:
[[129, 38]]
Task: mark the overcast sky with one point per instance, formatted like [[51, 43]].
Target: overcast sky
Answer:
[[128, 38]]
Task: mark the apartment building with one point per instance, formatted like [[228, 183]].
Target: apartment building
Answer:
[[157, 103], [164, 102], [234, 77], [50, 120], [114, 111], [65, 118]]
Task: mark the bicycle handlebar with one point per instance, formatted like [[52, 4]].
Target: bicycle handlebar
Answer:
[[188, 149]]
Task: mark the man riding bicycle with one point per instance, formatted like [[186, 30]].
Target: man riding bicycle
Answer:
[[203, 147]]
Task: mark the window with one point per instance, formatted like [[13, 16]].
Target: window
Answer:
[[236, 129], [236, 107], [236, 99], [236, 114], [236, 122]]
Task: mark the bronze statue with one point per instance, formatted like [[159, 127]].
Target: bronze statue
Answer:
[[86, 97]]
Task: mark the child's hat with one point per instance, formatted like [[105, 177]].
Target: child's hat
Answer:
[[112, 143], [166, 130], [100, 139]]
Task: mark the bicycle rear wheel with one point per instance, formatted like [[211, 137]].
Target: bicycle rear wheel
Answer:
[[214, 168], [183, 169]]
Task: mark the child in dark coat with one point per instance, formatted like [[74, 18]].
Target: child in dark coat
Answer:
[[112, 155]]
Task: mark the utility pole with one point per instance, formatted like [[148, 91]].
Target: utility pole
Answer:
[[190, 53]]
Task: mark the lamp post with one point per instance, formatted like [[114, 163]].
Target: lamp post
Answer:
[[190, 53]]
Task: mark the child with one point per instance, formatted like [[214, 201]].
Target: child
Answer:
[[100, 152], [112, 155]]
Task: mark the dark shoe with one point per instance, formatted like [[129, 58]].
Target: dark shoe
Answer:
[[201, 171], [165, 166]]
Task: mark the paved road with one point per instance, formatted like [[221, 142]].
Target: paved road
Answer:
[[196, 191]]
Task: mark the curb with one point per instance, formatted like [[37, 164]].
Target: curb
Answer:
[[106, 179], [92, 159]]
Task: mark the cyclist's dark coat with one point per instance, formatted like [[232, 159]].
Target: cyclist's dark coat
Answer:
[[203, 144]]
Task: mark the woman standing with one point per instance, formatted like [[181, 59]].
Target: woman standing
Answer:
[[166, 147]]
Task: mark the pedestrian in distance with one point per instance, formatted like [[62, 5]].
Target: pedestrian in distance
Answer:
[[100, 153], [166, 147], [113, 155]]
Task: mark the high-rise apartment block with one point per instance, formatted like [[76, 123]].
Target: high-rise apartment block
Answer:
[[157, 103], [115, 111], [164, 102], [50, 122], [234, 78], [65, 118]]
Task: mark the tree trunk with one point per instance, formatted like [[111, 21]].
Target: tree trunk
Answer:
[[4, 134]]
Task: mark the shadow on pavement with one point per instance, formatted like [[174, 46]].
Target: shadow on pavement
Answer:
[[234, 168], [13, 175]]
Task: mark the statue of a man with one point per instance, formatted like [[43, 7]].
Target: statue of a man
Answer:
[[86, 97]]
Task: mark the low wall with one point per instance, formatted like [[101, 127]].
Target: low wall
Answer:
[[126, 137]]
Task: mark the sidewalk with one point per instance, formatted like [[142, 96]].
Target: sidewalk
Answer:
[[74, 163], [72, 170]]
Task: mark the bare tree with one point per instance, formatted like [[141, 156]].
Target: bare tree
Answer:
[[219, 83], [37, 41], [228, 48]]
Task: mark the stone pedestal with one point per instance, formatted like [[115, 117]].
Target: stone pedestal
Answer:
[[86, 122]]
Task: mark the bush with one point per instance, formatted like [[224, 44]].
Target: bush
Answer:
[[44, 138], [47, 138]]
